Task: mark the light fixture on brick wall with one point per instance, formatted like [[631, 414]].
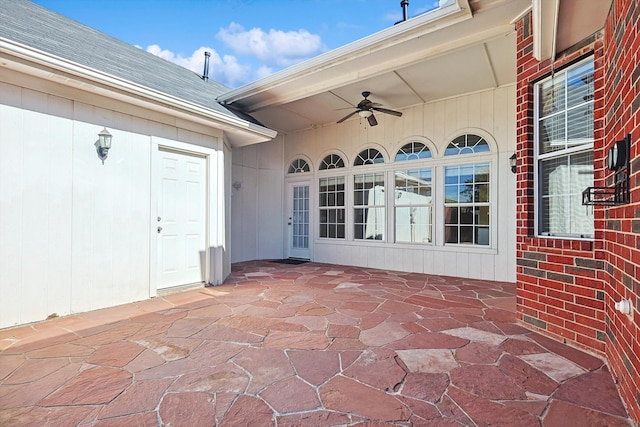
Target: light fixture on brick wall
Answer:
[[617, 156], [513, 163], [103, 144], [619, 192]]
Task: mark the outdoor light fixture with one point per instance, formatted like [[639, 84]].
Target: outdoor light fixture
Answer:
[[103, 144], [512, 163], [618, 155], [365, 114]]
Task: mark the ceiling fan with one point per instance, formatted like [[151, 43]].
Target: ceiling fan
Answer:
[[365, 109]]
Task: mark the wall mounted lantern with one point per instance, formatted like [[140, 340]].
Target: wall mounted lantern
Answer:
[[103, 144], [619, 191], [513, 163], [617, 156]]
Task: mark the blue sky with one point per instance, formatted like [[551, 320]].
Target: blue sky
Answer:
[[248, 39]]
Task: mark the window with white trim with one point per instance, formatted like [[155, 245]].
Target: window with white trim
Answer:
[[368, 206], [331, 194], [413, 151], [564, 151], [331, 199], [369, 216], [332, 161], [413, 214], [412, 198], [467, 144], [299, 166], [369, 156], [466, 204]]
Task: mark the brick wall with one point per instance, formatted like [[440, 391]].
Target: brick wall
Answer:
[[567, 288], [621, 224], [561, 287]]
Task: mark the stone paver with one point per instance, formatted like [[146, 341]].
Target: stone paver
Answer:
[[304, 345]]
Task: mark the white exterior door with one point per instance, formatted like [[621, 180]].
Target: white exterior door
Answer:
[[182, 224], [298, 222]]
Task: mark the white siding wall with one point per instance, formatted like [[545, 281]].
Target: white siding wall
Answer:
[[74, 233], [257, 220], [492, 112]]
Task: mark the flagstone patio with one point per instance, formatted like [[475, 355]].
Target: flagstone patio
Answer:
[[310, 344]]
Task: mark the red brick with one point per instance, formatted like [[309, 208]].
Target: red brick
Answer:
[[617, 247]]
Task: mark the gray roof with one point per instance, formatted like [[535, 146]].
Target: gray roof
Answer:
[[35, 26]]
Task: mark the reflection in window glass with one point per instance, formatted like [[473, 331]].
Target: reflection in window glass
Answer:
[[564, 135], [300, 217], [369, 156], [332, 161], [466, 144], [412, 200], [331, 200], [369, 206], [467, 204], [298, 166], [413, 151], [562, 180]]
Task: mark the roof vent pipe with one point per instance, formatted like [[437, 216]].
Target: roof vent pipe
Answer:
[[405, 9], [205, 73]]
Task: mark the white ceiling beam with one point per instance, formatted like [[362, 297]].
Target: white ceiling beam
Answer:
[[492, 70]]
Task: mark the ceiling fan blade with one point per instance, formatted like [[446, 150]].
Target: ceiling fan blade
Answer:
[[387, 111], [372, 120], [347, 116]]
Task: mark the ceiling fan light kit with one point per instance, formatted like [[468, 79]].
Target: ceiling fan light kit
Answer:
[[365, 109]]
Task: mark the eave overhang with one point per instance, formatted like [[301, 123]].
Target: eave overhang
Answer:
[[30, 61], [319, 72]]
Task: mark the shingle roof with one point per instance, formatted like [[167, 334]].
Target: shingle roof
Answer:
[[30, 24]]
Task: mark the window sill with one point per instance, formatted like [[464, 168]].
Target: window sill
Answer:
[[412, 246], [565, 237]]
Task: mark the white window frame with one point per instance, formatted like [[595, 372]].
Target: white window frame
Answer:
[[334, 207], [565, 153], [399, 203], [473, 204]]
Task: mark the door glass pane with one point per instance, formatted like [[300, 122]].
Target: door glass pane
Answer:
[[300, 216]]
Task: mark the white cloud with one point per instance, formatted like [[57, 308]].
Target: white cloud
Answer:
[[225, 69], [273, 48]]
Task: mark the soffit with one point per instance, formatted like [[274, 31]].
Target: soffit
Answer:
[[578, 20]]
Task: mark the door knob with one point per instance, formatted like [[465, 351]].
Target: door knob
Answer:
[[159, 229]]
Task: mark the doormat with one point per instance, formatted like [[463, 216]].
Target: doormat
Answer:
[[293, 261]]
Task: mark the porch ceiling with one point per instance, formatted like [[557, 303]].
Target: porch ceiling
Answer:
[[465, 46]]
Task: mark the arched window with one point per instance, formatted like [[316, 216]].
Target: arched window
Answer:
[[298, 166], [413, 151], [332, 161], [331, 200], [467, 144], [369, 156]]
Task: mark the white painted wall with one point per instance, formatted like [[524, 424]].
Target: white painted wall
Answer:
[[75, 234], [257, 206], [490, 112]]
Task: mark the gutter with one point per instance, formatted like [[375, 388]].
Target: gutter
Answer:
[[158, 101]]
